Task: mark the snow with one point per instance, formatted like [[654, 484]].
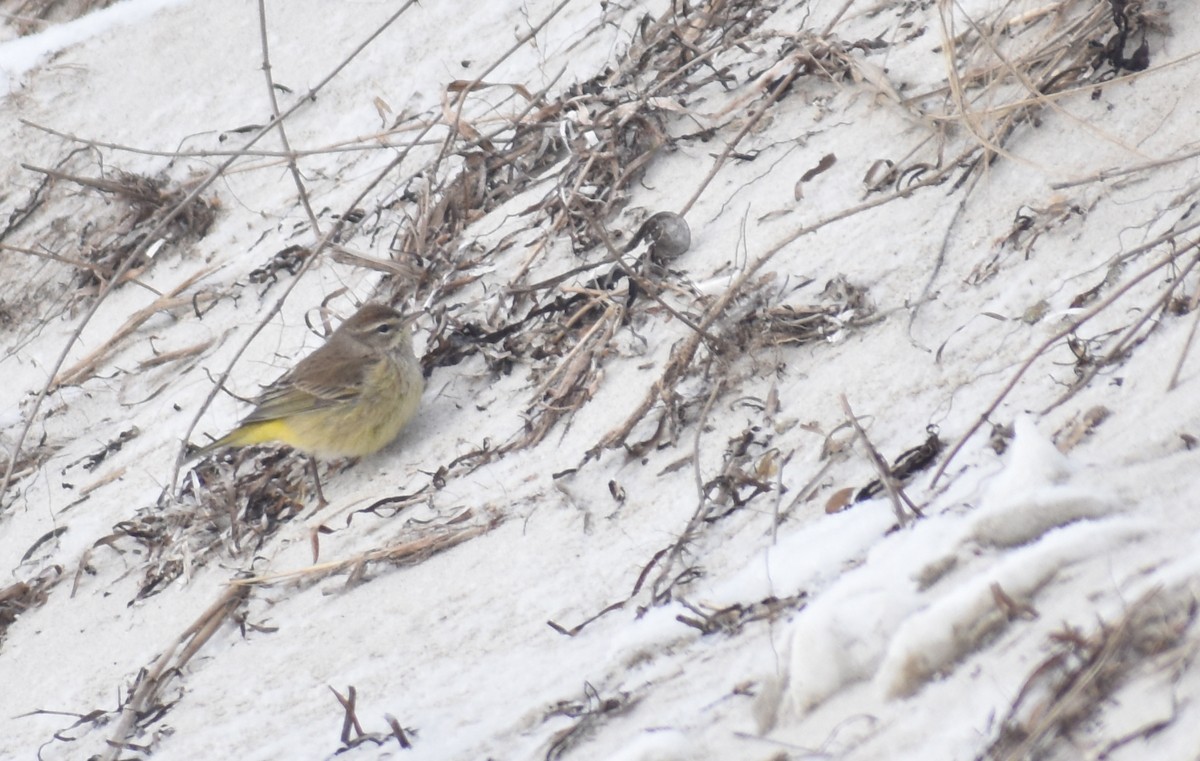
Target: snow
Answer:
[[702, 623], [18, 56]]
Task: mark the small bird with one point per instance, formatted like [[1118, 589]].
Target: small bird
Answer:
[[349, 398]]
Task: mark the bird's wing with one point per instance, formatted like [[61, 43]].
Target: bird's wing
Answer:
[[342, 374]]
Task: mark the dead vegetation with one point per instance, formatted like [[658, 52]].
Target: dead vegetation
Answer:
[[586, 716], [353, 735], [227, 507], [589, 145], [148, 699], [21, 596], [1007, 70], [1085, 672], [92, 247], [766, 323], [599, 136], [143, 202]]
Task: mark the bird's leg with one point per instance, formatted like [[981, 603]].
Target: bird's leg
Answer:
[[321, 501]]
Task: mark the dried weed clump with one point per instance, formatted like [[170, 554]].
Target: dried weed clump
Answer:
[[1007, 68], [228, 506], [21, 596], [141, 204], [842, 307], [74, 232], [1060, 707]]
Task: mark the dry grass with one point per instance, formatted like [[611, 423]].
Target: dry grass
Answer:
[[1086, 671]]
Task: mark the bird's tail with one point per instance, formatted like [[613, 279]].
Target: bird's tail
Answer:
[[246, 434]]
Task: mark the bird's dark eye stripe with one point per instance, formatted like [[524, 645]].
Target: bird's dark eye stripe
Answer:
[[384, 328]]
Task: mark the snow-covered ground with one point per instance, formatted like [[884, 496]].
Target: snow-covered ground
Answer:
[[619, 528]]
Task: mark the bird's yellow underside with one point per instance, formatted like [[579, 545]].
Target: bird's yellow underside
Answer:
[[354, 428]]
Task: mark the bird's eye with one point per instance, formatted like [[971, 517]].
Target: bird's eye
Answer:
[[384, 328]]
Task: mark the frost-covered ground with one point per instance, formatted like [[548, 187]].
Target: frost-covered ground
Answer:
[[620, 528]]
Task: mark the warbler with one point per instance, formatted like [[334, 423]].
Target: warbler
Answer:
[[349, 398]]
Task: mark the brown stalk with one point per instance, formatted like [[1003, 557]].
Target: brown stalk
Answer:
[[895, 493], [86, 367], [293, 169], [168, 664], [410, 551]]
